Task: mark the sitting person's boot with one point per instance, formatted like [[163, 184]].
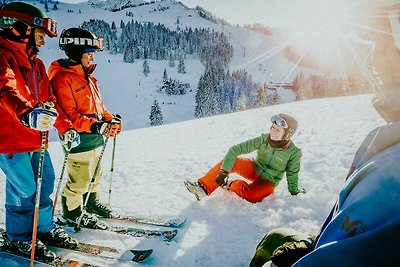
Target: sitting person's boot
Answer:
[[24, 248], [58, 237], [96, 207], [88, 220], [196, 189]]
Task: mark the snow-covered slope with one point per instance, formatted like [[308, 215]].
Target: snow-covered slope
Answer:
[[223, 230]]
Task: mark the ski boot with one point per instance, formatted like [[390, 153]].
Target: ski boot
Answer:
[[196, 189], [88, 220], [96, 207], [58, 237], [24, 248]]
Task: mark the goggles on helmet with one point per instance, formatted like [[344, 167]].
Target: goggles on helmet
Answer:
[[278, 120], [49, 25]]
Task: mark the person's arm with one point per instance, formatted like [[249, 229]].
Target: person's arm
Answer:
[[66, 101], [292, 173], [240, 149], [10, 98], [107, 116], [379, 247]]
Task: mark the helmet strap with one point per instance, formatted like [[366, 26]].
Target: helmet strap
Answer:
[[24, 38]]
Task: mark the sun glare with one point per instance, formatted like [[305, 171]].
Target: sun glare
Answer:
[[322, 29]]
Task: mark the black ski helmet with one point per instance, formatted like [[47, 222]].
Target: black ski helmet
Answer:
[[387, 104], [74, 41], [21, 17]]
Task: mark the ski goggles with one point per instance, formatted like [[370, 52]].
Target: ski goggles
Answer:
[[278, 120], [49, 25]]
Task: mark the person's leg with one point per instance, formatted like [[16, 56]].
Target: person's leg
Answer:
[[45, 220], [243, 166], [80, 171], [253, 192], [20, 195], [208, 180], [94, 159]]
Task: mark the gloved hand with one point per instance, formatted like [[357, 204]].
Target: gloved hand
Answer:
[[300, 191], [290, 252], [222, 178], [41, 118], [108, 128], [118, 117], [70, 139]]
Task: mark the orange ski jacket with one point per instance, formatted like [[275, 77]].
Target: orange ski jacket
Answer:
[[78, 94], [23, 83]]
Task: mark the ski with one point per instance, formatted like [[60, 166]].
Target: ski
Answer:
[[166, 235], [174, 223], [101, 251], [20, 260], [108, 252], [9, 259]]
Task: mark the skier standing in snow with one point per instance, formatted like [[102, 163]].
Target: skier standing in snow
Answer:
[[27, 112], [79, 97], [276, 155], [363, 228]]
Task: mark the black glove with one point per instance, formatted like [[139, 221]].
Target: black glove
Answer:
[[222, 178], [290, 252]]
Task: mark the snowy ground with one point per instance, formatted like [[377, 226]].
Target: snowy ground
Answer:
[[223, 230]]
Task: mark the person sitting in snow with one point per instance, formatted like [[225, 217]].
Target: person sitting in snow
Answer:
[[79, 97], [276, 155], [363, 227]]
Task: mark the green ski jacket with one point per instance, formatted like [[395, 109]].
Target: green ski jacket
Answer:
[[270, 163]]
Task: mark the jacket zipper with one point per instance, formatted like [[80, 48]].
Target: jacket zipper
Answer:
[[35, 87], [268, 163]]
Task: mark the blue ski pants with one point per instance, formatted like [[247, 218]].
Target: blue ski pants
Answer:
[[21, 170]]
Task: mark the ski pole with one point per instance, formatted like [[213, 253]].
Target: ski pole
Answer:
[[111, 170], [96, 170], [60, 180], [38, 192]]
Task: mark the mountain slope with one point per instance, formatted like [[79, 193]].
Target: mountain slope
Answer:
[[223, 230], [128, 92]]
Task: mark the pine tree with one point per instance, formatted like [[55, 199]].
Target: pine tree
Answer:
[[146, 67], [171, 61], [261, 98], [165, 75], [156, 117], [128, 54], [181, 65]]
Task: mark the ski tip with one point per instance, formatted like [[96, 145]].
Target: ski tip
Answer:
[[141, 255], [169, 235], [177, 223]]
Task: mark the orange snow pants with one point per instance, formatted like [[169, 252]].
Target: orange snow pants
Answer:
[[253, 192]]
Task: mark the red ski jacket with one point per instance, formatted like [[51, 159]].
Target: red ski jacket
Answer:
[[23, 83]]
